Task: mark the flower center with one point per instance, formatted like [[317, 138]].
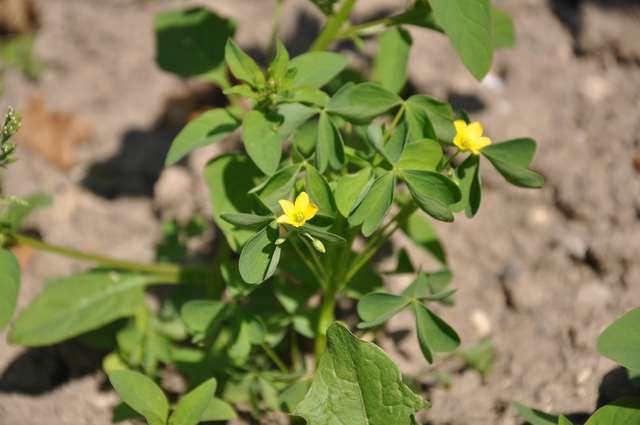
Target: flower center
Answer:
[[299, 216]]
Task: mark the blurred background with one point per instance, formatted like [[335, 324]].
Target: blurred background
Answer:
[[540, 273]]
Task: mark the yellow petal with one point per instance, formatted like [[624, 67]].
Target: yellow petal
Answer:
[[459, 142], [302, 201], [285, 219], [287, 207], [483, 142], [474, 130], [310, 211], [460, 126]]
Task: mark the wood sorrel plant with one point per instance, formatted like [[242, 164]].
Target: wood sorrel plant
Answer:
[[329, 159]]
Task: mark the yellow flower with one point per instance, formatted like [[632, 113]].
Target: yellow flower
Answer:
[[296, 214], [469, 137]]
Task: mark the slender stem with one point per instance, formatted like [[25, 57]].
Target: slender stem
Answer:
[[394, 123], [314, 257], [274, 357], [154, 268], [296, 359], [333, 26], [325, 320], [310, 265], [448, 161]]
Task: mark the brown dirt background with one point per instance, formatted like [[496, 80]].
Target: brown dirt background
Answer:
[[539, 272]]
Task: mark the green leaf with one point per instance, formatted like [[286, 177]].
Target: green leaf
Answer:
[[480, 357], [319, 233], [278, 186], [625, 411], [208, 128], [563, 420], [424, 154], [304, 138], [503, 29], [200, 316], [360, 103], [429, 118], [512, 159], [620, 341], [98, 298], [329, 147], [193, 405], [142, 395], [376, 308], [434, 334], [229, 178], [433, 192], [420, 231], [357, 384], [397, 143], [375, 205], [15, 212], [250, 221], [184, 42], [535, 417], [218, 410], [468, 176], [390, 63], [9, 286], [429, 285], [468, 25], [242, 66], [247, 331], [278, 67], [306, 95], [319, 191], [294, 394], [349, 189], [262, 141], [260, 256], [315, 69]]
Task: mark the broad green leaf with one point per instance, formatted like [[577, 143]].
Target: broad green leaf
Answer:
[[184, 42], [512, 159], [423, 154], [434, 334], [98, 298], [293, 116], [503, 29], [390, 63], [429, 118], [535, 417], [194, 404], [294, 394], [200, 316], [433, 192], [305, 95], [278, 67], [349, 188], [363, 102], [421, 232], [376, 308], [141, 394], [15, 212], [468, 25], [304, 138], [620, 341], [329, 146], [242, 66], [250, 221], [262, 141], [260, 256], [563, 420], [319, 191], [375, 205], [625, 411], [315, 69], [218, 410], [468, 177], [208, 128], [357, 384], [229, 178], [9, 285], [278, 186]]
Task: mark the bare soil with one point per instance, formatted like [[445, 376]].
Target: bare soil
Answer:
[[540, 273]]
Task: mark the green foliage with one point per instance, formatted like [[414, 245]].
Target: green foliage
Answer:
[[9, 286], [352, 377], [17, 52], [331, 165], [12, 123], [623, 411], [535, 417], [620, 341]]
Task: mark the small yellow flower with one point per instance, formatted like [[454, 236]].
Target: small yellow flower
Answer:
[[469, 137], [296, 214]]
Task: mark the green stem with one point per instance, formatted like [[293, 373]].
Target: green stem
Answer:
[[314, 257], [274, 357], [153, 268], [332, 27], [325, 320], [310, 265], [396, 120], [448, 161]]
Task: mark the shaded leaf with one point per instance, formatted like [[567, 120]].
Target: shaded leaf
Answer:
[[625, 411], [242, 66], [434, 334], [141, 394], [200, 316], [278, 186], [468, 176], [420, 231], [362, 102], [390, 63], [319, 191], [377, 308], [620, 341], [260, 256], [375, 205], [429, 118], [433, 192], [329, 147], [9, 286]]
